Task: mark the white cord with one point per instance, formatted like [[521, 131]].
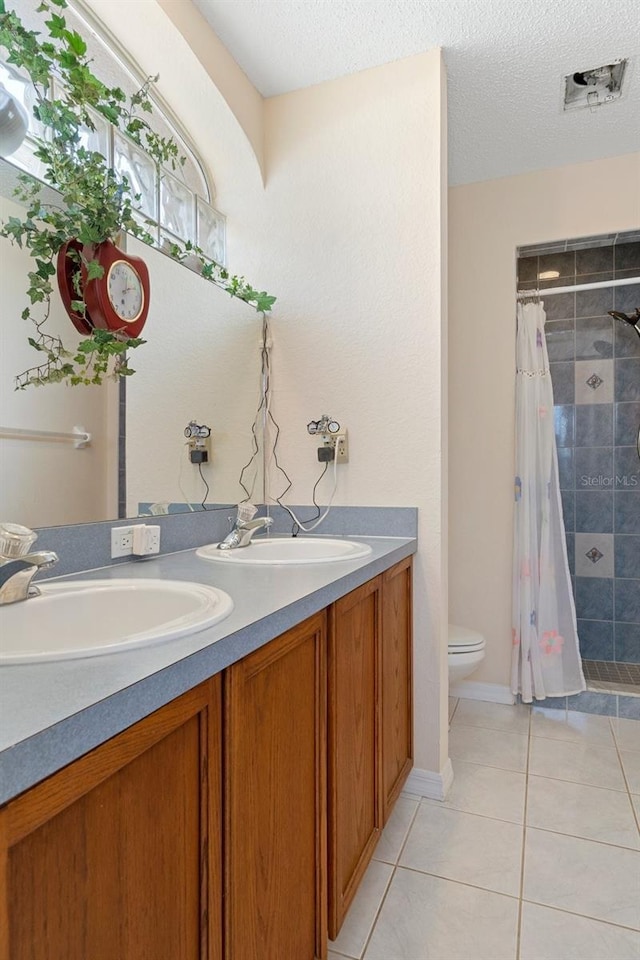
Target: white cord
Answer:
[[326, 513], [184, 496]]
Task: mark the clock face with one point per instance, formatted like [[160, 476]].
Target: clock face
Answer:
[[125, 291]]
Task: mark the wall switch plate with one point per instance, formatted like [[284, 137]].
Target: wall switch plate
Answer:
[[146, 539], [121, 542]]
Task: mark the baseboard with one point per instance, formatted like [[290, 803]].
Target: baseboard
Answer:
[[429, 784], [493, 692]]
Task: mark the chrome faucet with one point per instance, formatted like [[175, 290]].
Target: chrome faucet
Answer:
[[17, 567], [16, 575], [243, 531]]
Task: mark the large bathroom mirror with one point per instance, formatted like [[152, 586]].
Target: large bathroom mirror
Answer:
[[201, 363]]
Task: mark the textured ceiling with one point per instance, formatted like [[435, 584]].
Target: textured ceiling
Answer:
[[505, 63]]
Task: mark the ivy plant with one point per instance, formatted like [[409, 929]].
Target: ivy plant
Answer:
[[95, 203]]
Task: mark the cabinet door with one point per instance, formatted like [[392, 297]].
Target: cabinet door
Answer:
[[354, 809], [396, 683], [275, 783], [117, 856]]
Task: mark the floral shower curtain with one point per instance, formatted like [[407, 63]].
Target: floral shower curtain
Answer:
[[546, 658]]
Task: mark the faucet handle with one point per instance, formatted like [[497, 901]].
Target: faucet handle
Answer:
[[15, 540]]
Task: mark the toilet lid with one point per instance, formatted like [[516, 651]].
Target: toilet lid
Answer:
[[463, 640]]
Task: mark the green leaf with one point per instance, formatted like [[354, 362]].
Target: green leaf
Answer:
[[56, 25], [94, 270], [76, 42]]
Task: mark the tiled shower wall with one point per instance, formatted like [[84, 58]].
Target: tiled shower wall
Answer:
[[595, 368]]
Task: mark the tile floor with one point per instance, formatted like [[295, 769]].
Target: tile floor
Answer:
[[535, 854]]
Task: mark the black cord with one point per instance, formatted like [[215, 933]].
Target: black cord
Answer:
[[296, 526], [266, 377], [207, 486]]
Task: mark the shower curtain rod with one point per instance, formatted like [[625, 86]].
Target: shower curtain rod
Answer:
[[553, 291]]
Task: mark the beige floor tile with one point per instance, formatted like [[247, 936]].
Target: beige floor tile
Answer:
[[338, 956], [581, 762], [631, 764], [493, 747], [570, 725], [582, 811], [357, 926], [627, 733], [495, 716], [461, 846], [394, 834], [635, 799], [487, 791], [580, 876], [426, 918], [453, 702], [551, 934]]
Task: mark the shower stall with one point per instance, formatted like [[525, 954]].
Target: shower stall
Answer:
[[591, 294]]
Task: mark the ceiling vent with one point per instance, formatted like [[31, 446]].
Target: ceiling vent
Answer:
[[594, 88]]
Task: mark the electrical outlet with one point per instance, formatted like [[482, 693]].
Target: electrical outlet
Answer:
[[199, 450], [146, 539], [342, 446], [121, 542]]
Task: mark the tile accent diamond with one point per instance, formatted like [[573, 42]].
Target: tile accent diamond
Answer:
[[594, 381], [594, 555]]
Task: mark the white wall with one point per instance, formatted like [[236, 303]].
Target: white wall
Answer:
[[45, 483], [487, 221]]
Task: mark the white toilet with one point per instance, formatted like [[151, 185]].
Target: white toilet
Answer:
[[465, 653]]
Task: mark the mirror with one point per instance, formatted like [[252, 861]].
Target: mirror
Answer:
[[201, 362]]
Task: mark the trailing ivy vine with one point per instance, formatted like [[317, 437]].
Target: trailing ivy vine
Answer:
[[95, 203]]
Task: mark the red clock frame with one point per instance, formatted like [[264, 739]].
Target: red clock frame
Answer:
[[66, 267], [96, 293]]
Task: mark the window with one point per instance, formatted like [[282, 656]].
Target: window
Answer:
[[179, 203]]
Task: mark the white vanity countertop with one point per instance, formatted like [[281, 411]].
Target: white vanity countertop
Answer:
[[51, 713]]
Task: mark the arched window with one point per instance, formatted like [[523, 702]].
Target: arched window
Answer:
[[174, 204]]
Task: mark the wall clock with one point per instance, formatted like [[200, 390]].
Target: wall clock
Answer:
[[119, 300]]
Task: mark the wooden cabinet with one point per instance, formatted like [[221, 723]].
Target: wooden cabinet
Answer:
[[369, 725], [396, 703], [118, 855], [274, 774], [354, 812]]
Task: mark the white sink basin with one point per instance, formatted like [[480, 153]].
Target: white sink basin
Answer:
[[87, 618], [289, 550]]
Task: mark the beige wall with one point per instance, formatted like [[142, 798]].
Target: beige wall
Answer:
[[487, 221]]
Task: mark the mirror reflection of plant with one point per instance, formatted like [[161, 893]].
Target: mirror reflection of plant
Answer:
[[95, 203]]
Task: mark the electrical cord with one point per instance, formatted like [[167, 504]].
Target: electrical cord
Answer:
[[204, 499], [184, 496], [296, 527], [264, 407], [323, 516], [265, 404]]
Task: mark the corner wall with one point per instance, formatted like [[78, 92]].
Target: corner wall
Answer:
[[487, 221], [353, 244]]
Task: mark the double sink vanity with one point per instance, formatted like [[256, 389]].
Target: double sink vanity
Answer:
[[196, 757]]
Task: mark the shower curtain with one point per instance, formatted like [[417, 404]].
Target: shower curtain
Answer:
[[546, 658]]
